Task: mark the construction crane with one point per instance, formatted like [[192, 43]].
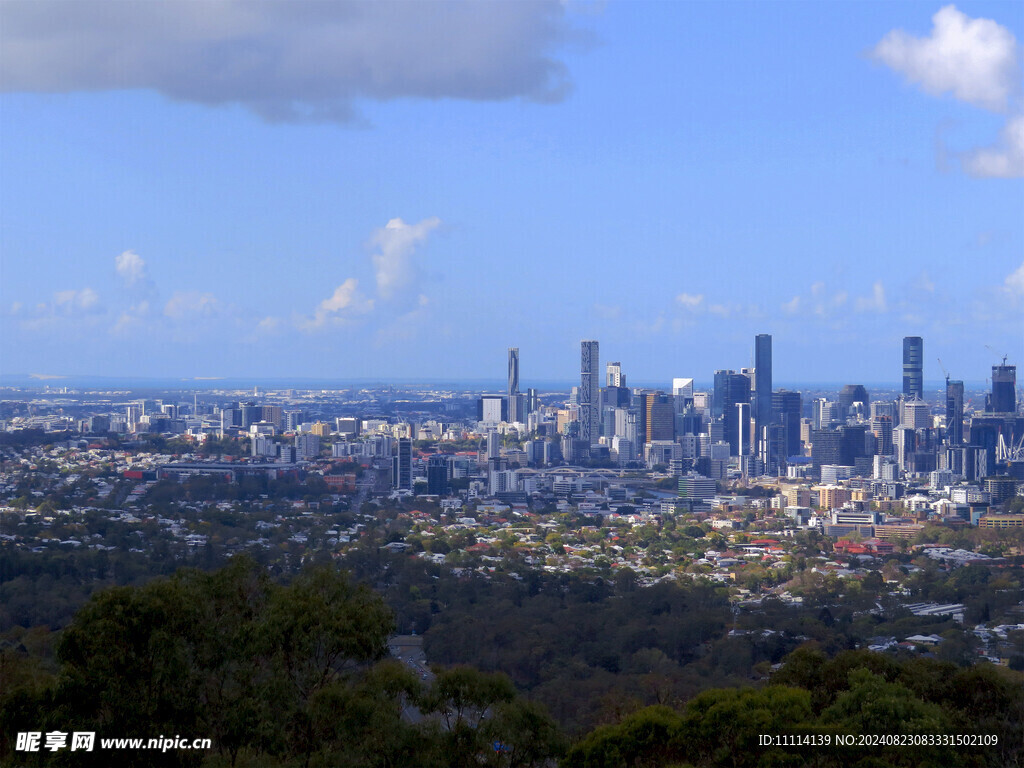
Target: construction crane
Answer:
[[944, 371], [996, 353]]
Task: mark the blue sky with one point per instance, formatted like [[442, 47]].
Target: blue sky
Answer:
[[337, 190]]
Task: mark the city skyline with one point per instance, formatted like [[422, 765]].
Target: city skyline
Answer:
[[838, 186]]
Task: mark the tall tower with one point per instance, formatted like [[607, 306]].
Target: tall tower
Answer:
[[954, 412], [913, 367], [513, 385], [403, 464], [589, 392], [736, 421], [1004, 389], [615, 377], [762, 382]]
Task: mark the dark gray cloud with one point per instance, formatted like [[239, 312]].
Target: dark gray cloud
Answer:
[[287, 60]]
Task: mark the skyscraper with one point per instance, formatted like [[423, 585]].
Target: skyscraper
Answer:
[[615, 377], [403, 464], [913, 367], [762, 404], [762, 380], [954, 412], [732, 389], [1004, 389], [659, 417], [589, 392], [850, 394], [787, 407], [513, 385]]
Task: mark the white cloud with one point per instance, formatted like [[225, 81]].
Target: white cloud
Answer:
[[692, 302], [792, 306], [71, 300], [874, 303], [1004, 160], [185, 304], [287, 61], [133, 317], [131, 267], [976, 60], [396, 242], [1015, 281], [344, 302]]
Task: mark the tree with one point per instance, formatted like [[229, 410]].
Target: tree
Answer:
[[464, 697], [229, 654]]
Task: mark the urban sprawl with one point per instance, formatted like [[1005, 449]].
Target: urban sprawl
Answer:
[[771, 493]]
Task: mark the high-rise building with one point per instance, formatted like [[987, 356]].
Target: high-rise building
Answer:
[[403, 464], [682, 394], [492, 409], [762, 381], [1004, 389], [274, 414], [826, 448], [615, 377], [659, 417], [823, 413], [589, 392], [438, 467], [850, 394], [916, 414], [682, 388], [954, 412], [307, 445], [513, 385], [731, 389], [743, 420], [881, 428], [913, 367], [718, 396], [787, 407]]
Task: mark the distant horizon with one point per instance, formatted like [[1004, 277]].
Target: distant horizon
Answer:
[[201, 384]]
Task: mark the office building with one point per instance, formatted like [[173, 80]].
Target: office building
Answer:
[[683, 389], [787, 407], [658, 417], [826, 448], [615, 377], [1004, 389], [403, 465], [881, 428], [913, 367], [437, 475], [513, 385], [762, 382], [742, 426], [307, 446], [492, 409], [589, 392], [732, 389], [916, 414], [850, 394], [954, 412], [823, 414]]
